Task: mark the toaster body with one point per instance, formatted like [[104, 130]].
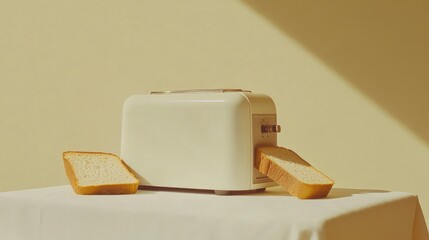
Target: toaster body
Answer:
[[198, 139]]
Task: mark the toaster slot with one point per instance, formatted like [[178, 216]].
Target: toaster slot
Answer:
[[220, 90]]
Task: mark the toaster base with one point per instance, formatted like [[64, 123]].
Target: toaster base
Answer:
[[206, 191]]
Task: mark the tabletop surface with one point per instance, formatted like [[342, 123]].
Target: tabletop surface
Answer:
[[58, 213]]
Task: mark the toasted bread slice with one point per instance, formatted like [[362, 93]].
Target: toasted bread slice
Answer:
[[98, 173], [292, 172]]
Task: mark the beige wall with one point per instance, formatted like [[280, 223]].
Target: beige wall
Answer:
[[350, 81]]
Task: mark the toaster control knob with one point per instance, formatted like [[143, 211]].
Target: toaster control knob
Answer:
[[276, 128], [270, 128]]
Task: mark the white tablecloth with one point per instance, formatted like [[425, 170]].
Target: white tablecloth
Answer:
[[57, 213]]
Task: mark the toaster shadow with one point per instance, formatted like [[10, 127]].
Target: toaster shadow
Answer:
[[199, 191], [172, 189], [270, 192]]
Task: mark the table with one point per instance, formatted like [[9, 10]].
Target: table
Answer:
[[58, 213]]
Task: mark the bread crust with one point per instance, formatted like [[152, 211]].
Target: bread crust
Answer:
[[288, 181], [125, 188]]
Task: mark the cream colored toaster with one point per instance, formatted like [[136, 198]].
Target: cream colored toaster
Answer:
[[198, 139]]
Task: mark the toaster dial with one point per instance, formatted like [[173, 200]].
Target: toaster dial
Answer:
[[267, 128]]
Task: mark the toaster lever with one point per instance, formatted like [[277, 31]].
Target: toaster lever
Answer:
[[270, 128]]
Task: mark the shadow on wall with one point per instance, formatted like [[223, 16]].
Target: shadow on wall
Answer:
[[381, 47]]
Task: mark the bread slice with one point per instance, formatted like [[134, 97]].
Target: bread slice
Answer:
[[98, 173], [292, 172]]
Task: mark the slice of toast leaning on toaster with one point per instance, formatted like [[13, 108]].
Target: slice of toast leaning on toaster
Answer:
[[105, 173]]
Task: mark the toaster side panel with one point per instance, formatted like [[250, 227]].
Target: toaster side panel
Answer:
[[263, 113], [200, 141]]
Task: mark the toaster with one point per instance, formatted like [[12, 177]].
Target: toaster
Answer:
[[198, 139]]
